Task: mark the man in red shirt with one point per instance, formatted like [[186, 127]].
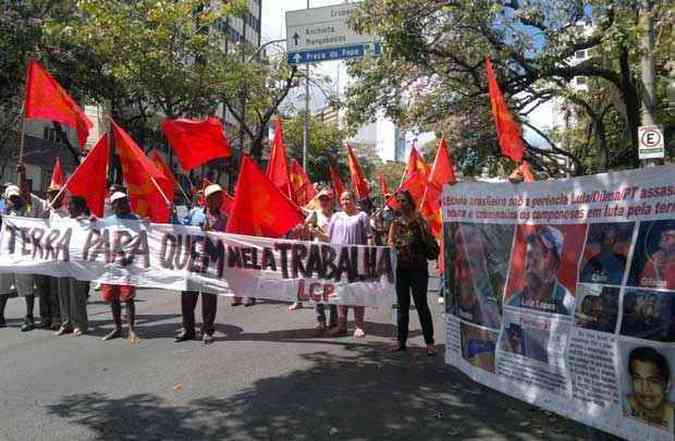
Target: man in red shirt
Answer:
[[659, 270]]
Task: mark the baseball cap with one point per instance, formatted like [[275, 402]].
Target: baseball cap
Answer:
[[12, 190], [213, 188], [325, 193], [117, 196], [550, 237]]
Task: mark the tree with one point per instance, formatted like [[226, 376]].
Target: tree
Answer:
[[431, 74], [325, 146], [253, 93]]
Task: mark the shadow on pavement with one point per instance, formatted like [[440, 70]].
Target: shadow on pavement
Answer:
[[363, 393]]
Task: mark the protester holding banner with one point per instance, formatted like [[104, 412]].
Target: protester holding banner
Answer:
[[317, 223], [349, 227], [20, 202], [115, 294], [74, 293], [209, 218], [409, 235], [49, 288]]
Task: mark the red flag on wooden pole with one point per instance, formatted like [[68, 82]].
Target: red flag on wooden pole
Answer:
[[508, 131], [149, 190], [89, 180], [259, 208], [277, 168], [57, 176], [46, 99], [359, 183], [196, 142]]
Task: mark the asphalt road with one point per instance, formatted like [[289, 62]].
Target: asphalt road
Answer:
[[266, 377]]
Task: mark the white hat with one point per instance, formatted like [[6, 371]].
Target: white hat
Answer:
[[12, 190], [213, 188], [117, 196]]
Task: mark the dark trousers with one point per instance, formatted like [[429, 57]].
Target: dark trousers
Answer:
[[417, 282], [209, 305], [48, 289], [321, 313]]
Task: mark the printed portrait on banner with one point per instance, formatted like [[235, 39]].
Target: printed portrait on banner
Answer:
[[653, 263], [478, 272], [543, 273], [648, 394], [606, 253]]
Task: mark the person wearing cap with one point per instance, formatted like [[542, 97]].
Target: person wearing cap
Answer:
[[543, 291], [659, 270], [15, 200], [209, 218], [316, 223], [116, 294]]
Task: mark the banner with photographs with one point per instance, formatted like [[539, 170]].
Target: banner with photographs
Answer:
[[562, 293]]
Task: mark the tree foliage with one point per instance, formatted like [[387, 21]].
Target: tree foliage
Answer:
[[431, 74]]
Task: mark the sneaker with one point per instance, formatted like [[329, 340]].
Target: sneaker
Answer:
[[441, 300], [45, 324], [207, 339], [359, 333]]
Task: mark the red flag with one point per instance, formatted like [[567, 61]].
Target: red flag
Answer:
[[89, 179], [259, 208], [508, 131], [522, 173], [359, 183], [338, 186], [46, 99], [226, 206], [303, 190], [527, 173], [57, 175], [196, 142], [415, 164], [384, 188], [146, 184], [277, 168], [415, 184], [157, 159], [441, 173]]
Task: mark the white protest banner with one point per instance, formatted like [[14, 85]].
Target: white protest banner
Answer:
[[562, 293], [185, 258]]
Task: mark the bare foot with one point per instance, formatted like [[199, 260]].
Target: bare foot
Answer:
[[116, 333], [295, 306], [133, 338]]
